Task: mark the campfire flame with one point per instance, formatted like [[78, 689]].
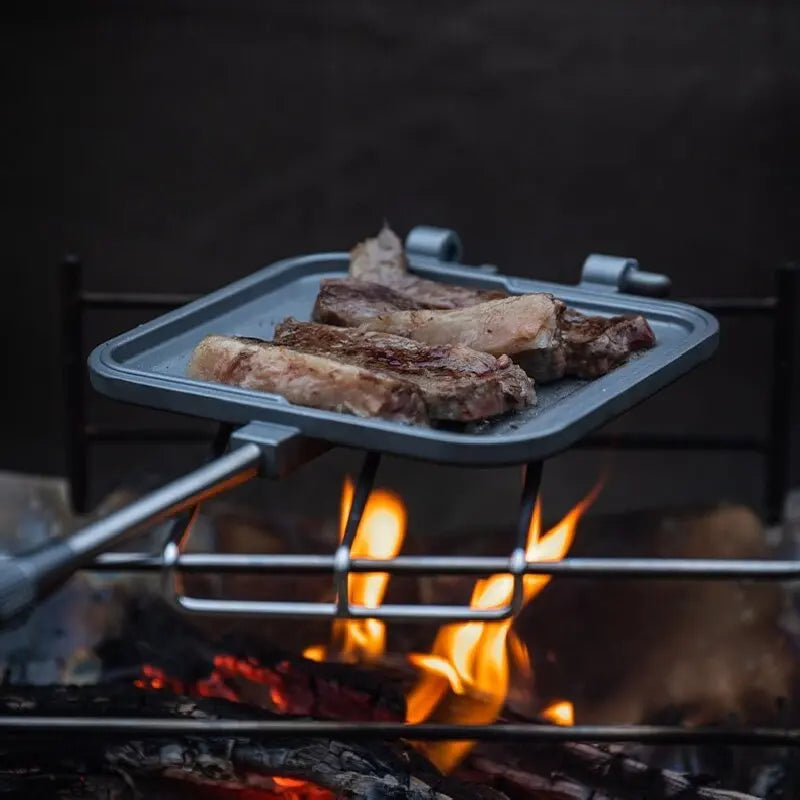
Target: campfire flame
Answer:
[[465, 678], [560, 713], [479, 651], [380, 536]]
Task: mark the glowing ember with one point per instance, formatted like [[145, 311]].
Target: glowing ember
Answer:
[[560, 713], [288, 783], [316, 652], [215, 684]]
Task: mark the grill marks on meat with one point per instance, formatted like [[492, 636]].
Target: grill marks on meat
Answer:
[[525, 327], [383, 260], [350, 301], [306, 379], [595, 345], [456, 382]]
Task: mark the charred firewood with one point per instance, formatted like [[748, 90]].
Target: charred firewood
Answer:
[[567, 770], [98, 787], [367, 771], [609, 773], [256, 673]]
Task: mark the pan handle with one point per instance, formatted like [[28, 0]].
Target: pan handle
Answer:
[[28, 578]]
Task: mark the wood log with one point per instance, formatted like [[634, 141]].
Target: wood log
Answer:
[[347, 769], [606, 770], [100, 787], [307, 688]]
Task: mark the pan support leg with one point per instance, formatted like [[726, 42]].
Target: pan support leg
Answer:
[[516, 566]]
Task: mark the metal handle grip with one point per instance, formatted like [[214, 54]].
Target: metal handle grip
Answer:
[[29, 577]]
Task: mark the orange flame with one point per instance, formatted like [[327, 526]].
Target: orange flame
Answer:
[[478, 651], [380, 536], [519, 654], [560, 713], [465, 677], [316, 652]]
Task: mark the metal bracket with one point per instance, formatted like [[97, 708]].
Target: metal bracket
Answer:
[[426, 244], [618, 274], [441, 244], [342, 564], [599, 272], [283, 448]]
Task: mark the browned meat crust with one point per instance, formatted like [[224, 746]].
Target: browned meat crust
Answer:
[[524, 327], [595, 345], [349, 301], [306, 379], [456, 382], [583, 346], [383, 260]]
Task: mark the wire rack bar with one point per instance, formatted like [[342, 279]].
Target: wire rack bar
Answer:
[[529, 732]]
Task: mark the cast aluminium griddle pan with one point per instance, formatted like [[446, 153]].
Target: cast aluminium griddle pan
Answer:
[[147, 365]]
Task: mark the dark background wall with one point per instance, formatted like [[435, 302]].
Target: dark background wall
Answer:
[[177, 146]]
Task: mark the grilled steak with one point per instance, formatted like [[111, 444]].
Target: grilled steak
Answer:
[[349, 301], [383, 260], [456, 382], [595, 345], [524, 327], [305, 379], [582, 346]]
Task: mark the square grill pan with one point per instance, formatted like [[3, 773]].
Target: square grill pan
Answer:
[[147, 366]]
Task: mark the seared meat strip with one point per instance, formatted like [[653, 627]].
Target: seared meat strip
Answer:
[[442, 295], [595, 345], [349, 302], [383, 260], [304, 379], [524, 327], [456, 382]]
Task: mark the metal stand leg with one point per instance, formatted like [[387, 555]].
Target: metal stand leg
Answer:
[[341, 560], [181, 528], [516, 565]]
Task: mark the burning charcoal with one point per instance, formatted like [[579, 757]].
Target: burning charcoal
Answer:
[[233, 667], [345, 769]]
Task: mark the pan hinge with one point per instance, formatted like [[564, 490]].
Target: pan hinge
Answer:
[[619, 274], [283, 448]]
